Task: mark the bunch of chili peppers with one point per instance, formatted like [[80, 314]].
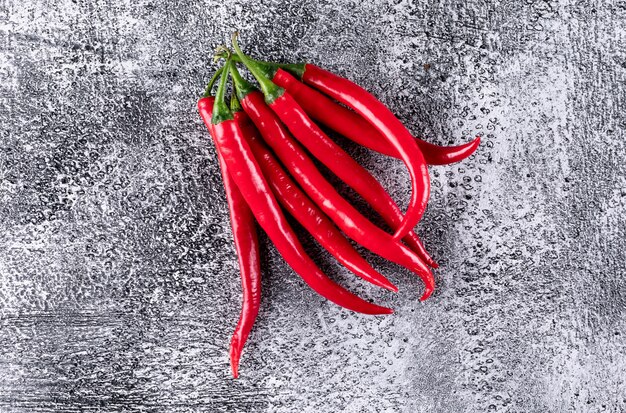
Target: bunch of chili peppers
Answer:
[[263, 140]]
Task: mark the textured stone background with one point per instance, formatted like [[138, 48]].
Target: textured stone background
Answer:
[[118, 283]]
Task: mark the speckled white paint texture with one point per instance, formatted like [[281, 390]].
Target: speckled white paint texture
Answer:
[[118, 281]]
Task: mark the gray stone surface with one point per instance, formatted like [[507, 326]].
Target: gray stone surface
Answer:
[[118, 282]]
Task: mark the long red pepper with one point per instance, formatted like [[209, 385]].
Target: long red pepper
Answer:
[[302, 168], [305, 130], [305, 211], [379, 116], [345, 167], [247, 246], [351, 125], [248, 177]]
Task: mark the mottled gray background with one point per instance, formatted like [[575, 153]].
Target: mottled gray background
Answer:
[[118, 284]]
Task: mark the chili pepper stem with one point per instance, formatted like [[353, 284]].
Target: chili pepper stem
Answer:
[[209, 87], [221, 112], [269, 68], [295, 68], [242, 86], [270, 90]]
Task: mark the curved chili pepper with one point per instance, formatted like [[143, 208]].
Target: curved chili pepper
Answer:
[[247, 247], [351, 125], [379, 116], [302, 168], [370, 108], [342, 164], [305, 211], [248, 177]]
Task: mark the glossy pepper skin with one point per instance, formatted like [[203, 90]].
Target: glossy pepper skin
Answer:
[[351, 125], [371, 109], [305, 211], [345, 216], [247, 246], [248, 177], [344, 166], [384, 121]]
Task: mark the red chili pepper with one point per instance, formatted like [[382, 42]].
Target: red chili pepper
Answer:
[[370, 108], [247, 247], [379, 116], [346, 168], [248, 177], [325, 196], [351, 125], [302, 168], [339, 162], [305, 211]]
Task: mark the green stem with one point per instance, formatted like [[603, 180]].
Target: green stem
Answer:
[[221, 112], [242, 86], [270, 90], [269, 68], [295, 68], [207, 91]]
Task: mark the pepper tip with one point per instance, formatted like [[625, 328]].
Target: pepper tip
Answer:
[[475, 143], [386, 284], [387, 310], [235, 355], [234, 365], [427, 293]]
